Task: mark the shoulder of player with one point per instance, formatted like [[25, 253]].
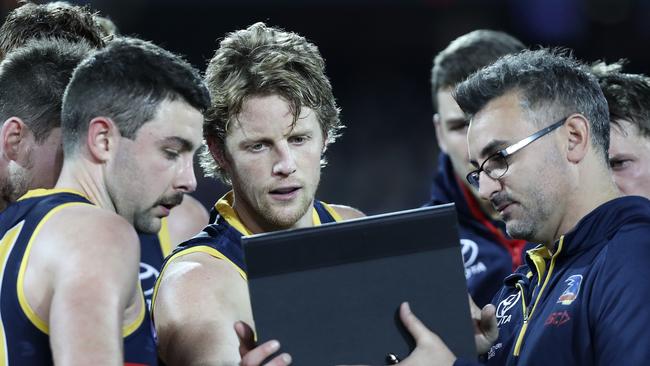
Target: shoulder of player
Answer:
[[347, 212], [186, 220], [197, 270], [198, 281], [95, 242], [87, 228]]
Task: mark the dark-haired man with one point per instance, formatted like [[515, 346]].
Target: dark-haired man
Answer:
[[538, 138], [131, 122], [489, 254], [56, 19], [30, 107]]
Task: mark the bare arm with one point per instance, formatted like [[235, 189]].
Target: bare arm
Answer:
[[199, 299], [347, 212], [186, 220], [93, 281]]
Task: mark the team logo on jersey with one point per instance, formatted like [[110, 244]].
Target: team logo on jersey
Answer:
[[469, 249], [504, 306], [572, 291]]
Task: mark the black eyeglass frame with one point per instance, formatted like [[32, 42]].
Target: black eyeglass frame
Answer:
[[473, 176]]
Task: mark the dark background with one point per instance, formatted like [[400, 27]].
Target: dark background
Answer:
[[378, 55]]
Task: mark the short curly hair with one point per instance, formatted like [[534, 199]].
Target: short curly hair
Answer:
[[258, 61]]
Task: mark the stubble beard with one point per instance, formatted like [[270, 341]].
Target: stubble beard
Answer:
[[145, 222], [278, 217], [535, 215], [17, 183]]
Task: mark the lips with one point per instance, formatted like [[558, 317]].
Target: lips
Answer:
[[501, 204], [285, 192]]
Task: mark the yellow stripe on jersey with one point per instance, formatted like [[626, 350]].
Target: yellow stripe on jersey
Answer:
[[164, 238], [127, 330], [22, 299], [44, 192], [225, 209], [314, 217], [6, 245]]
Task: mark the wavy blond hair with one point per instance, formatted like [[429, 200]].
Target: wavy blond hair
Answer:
[[258, 61]]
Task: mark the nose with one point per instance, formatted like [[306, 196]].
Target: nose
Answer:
[[487, 186], [185, 179], [285, 163]]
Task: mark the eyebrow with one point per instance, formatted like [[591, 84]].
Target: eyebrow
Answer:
[[490, 149], [456, 120], [185, 145]]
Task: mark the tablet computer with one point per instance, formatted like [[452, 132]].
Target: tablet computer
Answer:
[[330, 294]]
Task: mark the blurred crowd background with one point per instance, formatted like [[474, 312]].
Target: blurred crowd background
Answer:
[[379, 55]]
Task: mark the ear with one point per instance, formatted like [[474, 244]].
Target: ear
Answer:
[[218, 152], [578, 134], [102, 138], [437, 124], [14, 132]]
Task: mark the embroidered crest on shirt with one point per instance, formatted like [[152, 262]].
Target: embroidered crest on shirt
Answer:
[[572, 291]]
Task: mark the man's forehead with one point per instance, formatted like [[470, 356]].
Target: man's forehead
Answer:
[[494, 126], [175, 120], [256, 124]]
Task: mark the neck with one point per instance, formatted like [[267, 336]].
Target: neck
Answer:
[[88, 178]]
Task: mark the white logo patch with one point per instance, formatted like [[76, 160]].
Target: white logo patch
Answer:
[[469, 248], [504, 306]]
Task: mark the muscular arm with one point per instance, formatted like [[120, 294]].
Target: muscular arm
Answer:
[[199, 299], [186, 220], [93, 274]]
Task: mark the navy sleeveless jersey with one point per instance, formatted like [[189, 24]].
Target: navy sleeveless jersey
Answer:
[[221, 239], [24, 338]]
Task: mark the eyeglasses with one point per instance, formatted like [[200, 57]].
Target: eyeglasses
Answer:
[[496, 165]]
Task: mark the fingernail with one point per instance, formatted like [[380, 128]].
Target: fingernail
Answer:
[[407, 306], [286, 358], [274, 346]]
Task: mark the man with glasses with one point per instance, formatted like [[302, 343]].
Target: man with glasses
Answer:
[[538, 136]]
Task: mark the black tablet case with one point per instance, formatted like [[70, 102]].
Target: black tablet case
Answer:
[[330, 294]]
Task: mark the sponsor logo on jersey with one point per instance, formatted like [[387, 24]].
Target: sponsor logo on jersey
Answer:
[[557, 318], [504, 307], [469, 249]]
